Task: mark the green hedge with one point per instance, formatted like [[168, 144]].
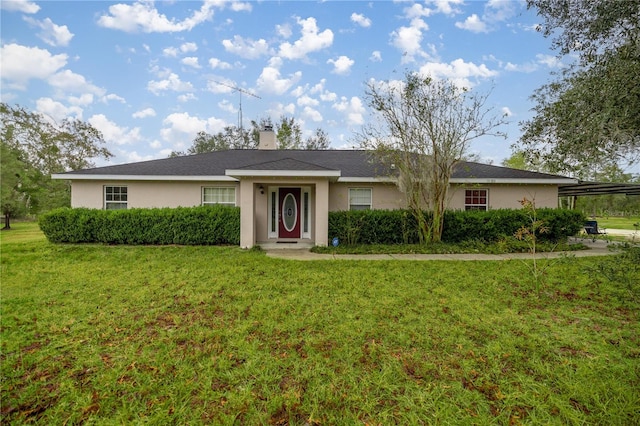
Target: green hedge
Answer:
[[399, 226], [210, 225]]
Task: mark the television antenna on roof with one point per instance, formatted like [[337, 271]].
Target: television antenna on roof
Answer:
[[240, 92]]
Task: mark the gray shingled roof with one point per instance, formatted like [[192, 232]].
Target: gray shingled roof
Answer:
[[350, 163]]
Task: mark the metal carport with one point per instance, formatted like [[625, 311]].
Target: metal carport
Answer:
[[598, 188]]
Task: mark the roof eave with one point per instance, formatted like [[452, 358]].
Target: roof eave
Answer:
[[236, 173], [527, 181], [190, 178]]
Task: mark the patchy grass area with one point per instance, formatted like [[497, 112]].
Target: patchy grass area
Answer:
[[509, 245], [188, 335], [632, 223]]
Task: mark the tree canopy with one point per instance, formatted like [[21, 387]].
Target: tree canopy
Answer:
[[33, 148], [589, 118]]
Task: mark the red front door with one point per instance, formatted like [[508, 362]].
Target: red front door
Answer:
[[289, 220]]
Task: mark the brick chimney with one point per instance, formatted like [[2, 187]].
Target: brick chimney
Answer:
[[267, 138]]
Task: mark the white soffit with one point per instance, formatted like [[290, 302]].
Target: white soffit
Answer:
[[539, 181], [163, 178]]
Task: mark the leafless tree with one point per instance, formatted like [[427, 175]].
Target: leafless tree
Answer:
[[422, 128]]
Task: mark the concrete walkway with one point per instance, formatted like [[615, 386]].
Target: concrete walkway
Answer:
[[597, 248]]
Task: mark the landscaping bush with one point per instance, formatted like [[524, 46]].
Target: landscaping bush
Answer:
[[208, 225], [399, 226], [373, 227]]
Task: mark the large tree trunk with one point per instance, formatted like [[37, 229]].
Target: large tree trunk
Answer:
[[7, 222]]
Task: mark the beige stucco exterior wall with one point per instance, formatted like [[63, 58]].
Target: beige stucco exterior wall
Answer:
[[325, 197], [507, 196], [385, 196], [501, 196], [144, 194]]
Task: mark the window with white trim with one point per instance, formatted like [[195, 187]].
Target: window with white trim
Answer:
[[476, 199], [115, 197], [218, 195], [360, 199]]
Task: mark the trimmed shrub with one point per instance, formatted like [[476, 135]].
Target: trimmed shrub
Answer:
[[206, 225], [399, 226]]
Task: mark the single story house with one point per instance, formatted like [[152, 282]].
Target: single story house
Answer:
[[286, 195]]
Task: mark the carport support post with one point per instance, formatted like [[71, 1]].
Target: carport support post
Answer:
[[247, 221]]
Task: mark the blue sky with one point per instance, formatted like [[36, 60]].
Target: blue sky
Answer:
[[147, 74]]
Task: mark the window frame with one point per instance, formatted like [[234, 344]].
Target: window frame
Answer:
[[222, 203], [369, 206], [122, 204], [473, 201]]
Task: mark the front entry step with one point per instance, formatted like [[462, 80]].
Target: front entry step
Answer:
[[286, 245]]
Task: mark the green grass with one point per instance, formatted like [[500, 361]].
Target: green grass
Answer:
[[190, 335], [618, 222], [510, 245]]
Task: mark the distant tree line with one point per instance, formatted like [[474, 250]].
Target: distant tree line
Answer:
[[288, 136], [33, 147]]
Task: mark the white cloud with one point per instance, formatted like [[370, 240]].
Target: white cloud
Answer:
[[67, 81], [312, 114], [57, 110], [113, 97], [191, 61], [227, 106], [52, 34], [112, 132], [342, 65], [188, 47], [549, 60], [170, 51], [246, 48], [238, 6], [352, 109], [172, 82], [144, 17], [186, 97], [495, 11], [284, 31], [143, 113], [458, 71], [499, 10], [409, 39], [526, 67], [361, 20], [311, 40], [23, 6], [84, 99], [184, 48], [325, 95], [306, 100], [181, 127], [446, 7], [270, 80], [376, 56], [134, 157], [474, 24], [417, 10], [506, 112], [216, 63], [280, 109], [20, 64]]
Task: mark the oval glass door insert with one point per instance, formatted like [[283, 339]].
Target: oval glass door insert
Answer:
[[289, 212]]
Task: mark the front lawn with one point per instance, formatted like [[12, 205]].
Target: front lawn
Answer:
[[190, 335], [631, 222]]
